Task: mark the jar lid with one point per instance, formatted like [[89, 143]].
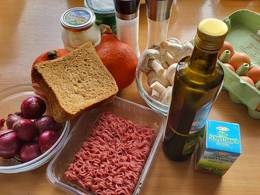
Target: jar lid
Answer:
[[101, 7], [77, 18]]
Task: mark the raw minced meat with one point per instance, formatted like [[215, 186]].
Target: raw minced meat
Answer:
[[112, 157]]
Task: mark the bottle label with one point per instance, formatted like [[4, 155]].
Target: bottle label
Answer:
[[199, 122], [190, 143], [178, 133], [192, 138], [201, 118]]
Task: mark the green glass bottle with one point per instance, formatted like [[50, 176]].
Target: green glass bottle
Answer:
[[198, 80]]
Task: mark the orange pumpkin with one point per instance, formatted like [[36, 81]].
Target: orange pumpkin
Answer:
[[51, 55], [119, 58]]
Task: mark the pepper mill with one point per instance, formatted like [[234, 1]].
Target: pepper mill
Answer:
[[127, 22], [158, 16]]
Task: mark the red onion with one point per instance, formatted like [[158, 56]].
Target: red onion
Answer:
[[47, 139], [2, 123], [11, 119], [25, 129], [29, 152], [33, 107], [9, 143], [47, 123]]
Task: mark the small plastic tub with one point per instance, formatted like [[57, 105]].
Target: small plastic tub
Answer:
[[129, 110]]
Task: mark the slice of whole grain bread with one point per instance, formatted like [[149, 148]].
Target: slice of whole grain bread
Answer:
[[74, 83]]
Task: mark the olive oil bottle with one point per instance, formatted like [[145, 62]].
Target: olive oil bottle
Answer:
[[198, 80]]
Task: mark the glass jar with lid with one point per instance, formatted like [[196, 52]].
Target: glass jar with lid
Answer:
[[104, 12], [79, 27]]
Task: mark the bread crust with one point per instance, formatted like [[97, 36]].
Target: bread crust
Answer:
[[44, 75]]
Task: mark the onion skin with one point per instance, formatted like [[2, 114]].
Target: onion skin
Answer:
[[29, 152], [2, 123], [47, 123], [47, 139], [9, 143], [11, 119], [25, 129], [33, 107]]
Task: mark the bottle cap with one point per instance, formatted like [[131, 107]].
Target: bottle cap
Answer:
[[77, 18], [127, 9], [158, 10], [211, 34]]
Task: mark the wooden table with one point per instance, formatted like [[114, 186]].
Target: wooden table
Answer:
[[29, 27]]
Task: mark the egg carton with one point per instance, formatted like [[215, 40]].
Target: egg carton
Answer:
[[244, 35]]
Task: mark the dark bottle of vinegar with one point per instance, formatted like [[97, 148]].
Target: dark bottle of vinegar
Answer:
[[197, 83]]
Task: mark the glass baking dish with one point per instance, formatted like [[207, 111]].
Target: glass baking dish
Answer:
[[129, 110]]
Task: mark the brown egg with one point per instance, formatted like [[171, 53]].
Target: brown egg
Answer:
[[238, 59], [248, 80], [226, 46], [230, 67], [254, 73], [258, 108]]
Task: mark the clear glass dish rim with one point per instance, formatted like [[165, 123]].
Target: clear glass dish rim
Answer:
[[45, 157], [53, 179], [153, 103]]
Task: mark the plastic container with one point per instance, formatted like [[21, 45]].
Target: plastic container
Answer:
[[243, 27], [10, 100], [80, 131]]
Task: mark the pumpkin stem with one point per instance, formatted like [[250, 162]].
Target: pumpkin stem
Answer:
[[52, 54]]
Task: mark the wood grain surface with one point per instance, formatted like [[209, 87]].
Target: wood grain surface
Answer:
[[29, 27]]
